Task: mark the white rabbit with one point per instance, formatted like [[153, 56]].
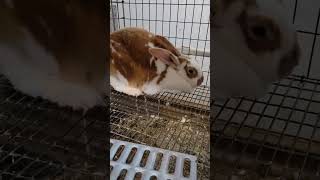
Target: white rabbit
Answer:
[[145, 63], [55, 49], [254, 45]]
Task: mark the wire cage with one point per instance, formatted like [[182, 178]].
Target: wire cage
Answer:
[[177, 122], [278, 136], [39, 140]]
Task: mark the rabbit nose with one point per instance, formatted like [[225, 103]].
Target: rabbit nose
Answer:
[[200, 81]]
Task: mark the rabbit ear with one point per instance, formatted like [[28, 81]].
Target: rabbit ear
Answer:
[[164, 43], [164, 55]]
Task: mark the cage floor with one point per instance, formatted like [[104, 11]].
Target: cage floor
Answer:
[[177, 122], [39, 140], [276, 137], [130, 158]]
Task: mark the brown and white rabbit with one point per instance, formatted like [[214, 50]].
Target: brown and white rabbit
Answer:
[[55, 49], [146, 63], [254, 45]]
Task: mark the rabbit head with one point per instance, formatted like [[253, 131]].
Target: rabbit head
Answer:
[[187, 69], [258, 33]]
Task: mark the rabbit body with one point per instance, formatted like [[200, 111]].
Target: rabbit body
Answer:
[[145, 63], [46, 51]]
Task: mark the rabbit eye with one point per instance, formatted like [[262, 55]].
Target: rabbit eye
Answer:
[[259, 32], [191, 72], [262, 30]]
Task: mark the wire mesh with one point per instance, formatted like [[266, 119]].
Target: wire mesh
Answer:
[[177, 122], [39, 140], [275, 137], [169, 122]]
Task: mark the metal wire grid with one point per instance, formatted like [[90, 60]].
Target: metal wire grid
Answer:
[[41, 141], [277, 137], [167, 121], [178, 122]]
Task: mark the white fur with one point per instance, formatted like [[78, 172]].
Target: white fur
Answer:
[[150, 45], [192, 82], [174, 82], [151, 87], [120, 83], [35, 72], [151, 61], [195, 64], [160, 66]]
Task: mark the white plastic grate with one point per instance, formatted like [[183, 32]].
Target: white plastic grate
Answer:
[[119, 163]]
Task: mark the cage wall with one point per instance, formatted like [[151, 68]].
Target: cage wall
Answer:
[[275, 137], [178, 122]]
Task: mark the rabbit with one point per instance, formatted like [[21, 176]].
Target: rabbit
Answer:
[[56, 50], [143, 63], [254, 45]]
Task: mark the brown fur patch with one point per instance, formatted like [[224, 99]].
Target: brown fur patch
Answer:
[[260, 45], [162, 42], [134, 62], [162, 75], [182, 60], [71, 30], [121, 54]]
